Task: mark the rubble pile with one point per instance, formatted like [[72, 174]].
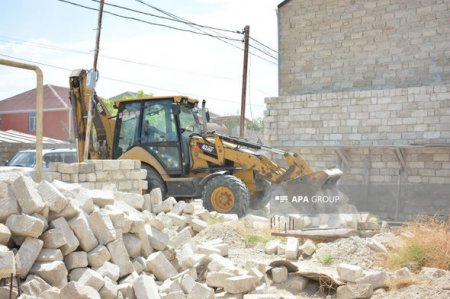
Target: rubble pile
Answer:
[[64, 241]]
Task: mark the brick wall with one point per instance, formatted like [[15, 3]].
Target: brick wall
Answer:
[[339, 45]]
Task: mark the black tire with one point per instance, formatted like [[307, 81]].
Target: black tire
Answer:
[[233, 184], [261, 199], [154, 180]]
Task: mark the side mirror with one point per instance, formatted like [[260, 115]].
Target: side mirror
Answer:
[[176, 109], [208, 117]]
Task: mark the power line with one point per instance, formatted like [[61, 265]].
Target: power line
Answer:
[[7, 39], [128, 82], [169, 19], [265, 46], [191, 24], [146, 22]]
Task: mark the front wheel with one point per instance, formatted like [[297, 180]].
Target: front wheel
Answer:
[[226, 194]]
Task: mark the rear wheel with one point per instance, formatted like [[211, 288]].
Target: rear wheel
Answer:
[[226, 194], [154, 180]]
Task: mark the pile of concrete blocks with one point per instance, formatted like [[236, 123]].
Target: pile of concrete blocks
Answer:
[[292, 250], [121, 175], [62, 240]]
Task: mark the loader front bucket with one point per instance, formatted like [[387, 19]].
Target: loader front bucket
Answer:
[[312, 193]]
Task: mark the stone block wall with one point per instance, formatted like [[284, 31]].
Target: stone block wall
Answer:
[[341, 45], [116, 175]]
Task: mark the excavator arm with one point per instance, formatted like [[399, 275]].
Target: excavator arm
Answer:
[[101, 139]]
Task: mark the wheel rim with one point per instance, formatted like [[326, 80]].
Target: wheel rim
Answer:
[[222, 199]]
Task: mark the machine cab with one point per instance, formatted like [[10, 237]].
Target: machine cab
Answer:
[[161, 126]]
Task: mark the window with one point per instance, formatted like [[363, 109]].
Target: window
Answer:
[[128, 125], [32, 121]]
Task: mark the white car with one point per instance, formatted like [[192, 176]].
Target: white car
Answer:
[[27, 158]]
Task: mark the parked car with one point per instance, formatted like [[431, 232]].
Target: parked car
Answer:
[[27, 158]]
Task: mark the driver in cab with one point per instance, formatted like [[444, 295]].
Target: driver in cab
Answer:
[[150, 133]]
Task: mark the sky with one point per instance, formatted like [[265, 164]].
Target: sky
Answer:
[[60, 37]]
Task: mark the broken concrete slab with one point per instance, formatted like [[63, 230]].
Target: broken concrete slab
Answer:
[[351, 291], [72, 242], [25, 226], [27, 195], [56, 201], [27, 255], [120, 257], [158, 264], [145, 287]]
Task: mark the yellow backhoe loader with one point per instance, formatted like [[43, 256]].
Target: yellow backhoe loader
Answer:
[[182, 158]]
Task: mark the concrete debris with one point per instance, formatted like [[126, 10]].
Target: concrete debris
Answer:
[[351, 291], [291, 250], [279, 274], [349, 272]]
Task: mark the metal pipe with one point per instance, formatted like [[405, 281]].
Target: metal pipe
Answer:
[[39, 108]]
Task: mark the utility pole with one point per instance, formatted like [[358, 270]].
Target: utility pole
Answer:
[[92, 91], [244, 81]]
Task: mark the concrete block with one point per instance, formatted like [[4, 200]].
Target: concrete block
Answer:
[[98, 256], [72, 242], [34, 286], [188, 209], [27, 255], [308, 248], [53, 238], [51, 293], [145, 287], [76, 259], [7, 264], [76, 273], [256, 273], [109, 270], [291, 251], [101, 198], [203, 214], [219, 263], [120, 257], [158, 264], [27, 195], [8, 207], [377, 279], [349, 272], [139, 264], [133, 245], [25, 226], [102, 227], [187, 283], [217, 279], [84, 200], [55, 200], [240, 284], [376, 245], [272, 246], [186, 257], [77, 290], [168, 204], [182, 237], [279, 274], [296, 284], [174, 295], [54, 273], [71, 210], [92, 279], [200, 291], [178, 207], [158, 240], [48, 255], [177, 220], [198, 225], [351, 291], [134, 200], [156, 200], [5, 234], [82, 230], [109, 290]]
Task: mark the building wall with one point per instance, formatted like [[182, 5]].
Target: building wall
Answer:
[[55, 123], [342, 45]]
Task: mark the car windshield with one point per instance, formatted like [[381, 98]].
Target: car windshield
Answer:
[[23, 159]]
